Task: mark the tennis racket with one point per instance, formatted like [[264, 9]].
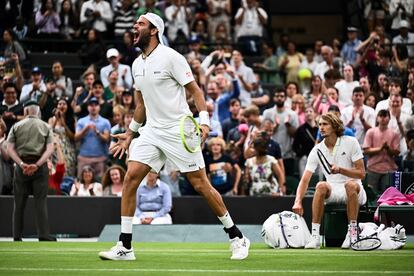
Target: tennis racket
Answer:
[[190, 133], [366, 244]]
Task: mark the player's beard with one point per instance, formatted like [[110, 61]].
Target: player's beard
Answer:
[[144, 40]]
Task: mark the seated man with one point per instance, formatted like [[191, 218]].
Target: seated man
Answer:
[[342, 161], [154, 201]]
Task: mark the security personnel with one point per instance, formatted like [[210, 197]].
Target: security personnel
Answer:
[[30, 145]]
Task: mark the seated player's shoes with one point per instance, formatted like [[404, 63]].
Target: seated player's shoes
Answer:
[[347, 243], [313, 243], [118, 253], [239, 248]]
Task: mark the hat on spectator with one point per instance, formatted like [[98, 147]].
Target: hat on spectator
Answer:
[[352, 29], [29, 103], [93, 100], [36, 70], [404, 24], [112, 53], [157, 22], [194, 39]]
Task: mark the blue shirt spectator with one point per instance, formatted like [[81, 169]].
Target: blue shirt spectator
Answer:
[[348, 52]]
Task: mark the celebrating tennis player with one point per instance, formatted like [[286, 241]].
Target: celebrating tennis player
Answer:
[[161, 76], [342, 163]]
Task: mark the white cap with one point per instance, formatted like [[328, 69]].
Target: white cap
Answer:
[[404, 24], [112, 53], [157, 22]]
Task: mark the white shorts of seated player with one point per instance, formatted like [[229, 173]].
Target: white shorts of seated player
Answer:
[[160, 220], [338, 194]]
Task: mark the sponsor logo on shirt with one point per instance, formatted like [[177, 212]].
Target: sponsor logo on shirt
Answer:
[[188, 74], [157, 72]]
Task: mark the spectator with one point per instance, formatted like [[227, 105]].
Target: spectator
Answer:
[[298, 105], [292, 89], [305, 138], [82, 94], [254, 121], [93, 133], [92, 51], [34, 90], [233, 120], [260, 96], [154, 201], [374, 12], [112, 86], [382, 86], [318, 51], [381, 144], [117, 118], [221, 101], [124, 18], [369, 55], [63, 127], [149, 7], [113, 180], [12, 46], [56, 173], [11, 110], [395, 89], [286, 122], [325, 100], [250, 20], [216, 130], [245, 75], [398, 120], [63, 83], [270, 65], [316, 89], [309, 61], [96, 14], [30, 145], [358, 116], [290, 62], [169, 174], [194, 43], [365, 85], [127, 49], [348, 52], [346, 86], [6, 165], [400, 59], [69, 27], [47, 20], [400, 11], [198, 73], [127, 100], [223, 172], [263, 172], [105, 106], [327, 63], [124, 71], [220, 35], [200, 30], [178, 15], [408, 161], [219, 12], [410, 96], [20, 30], [125, 121], [371, 100], [86, 185]]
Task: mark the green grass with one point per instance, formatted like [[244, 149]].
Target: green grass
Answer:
[[198, 259]]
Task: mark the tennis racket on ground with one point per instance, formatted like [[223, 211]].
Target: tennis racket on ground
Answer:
[[190, 133], [366, 244]]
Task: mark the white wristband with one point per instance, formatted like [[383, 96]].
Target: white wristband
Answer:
[[134, 126], [204, 118]]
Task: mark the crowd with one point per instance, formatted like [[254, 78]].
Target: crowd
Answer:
[[264, 118]]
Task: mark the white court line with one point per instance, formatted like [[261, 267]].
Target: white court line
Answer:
[[203, 270]]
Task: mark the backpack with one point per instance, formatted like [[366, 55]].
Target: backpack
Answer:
[[285, 230]]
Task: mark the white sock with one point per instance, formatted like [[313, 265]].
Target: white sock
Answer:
[[126, 225], [315, 229], [226, 220]]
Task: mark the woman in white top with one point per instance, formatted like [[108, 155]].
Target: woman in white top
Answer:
[[86, 186], [261, 171]]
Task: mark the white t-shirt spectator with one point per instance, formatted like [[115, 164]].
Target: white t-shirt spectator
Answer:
[[104, 8], [177, 23], [250, 25], [385, 104], [369, 117], [345, 91]]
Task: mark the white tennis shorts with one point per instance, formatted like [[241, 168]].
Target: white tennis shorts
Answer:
[[338, 194], [155, 145]]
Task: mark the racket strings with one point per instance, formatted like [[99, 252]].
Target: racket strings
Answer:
[[191, 134]]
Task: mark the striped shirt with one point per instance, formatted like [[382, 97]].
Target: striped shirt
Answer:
[[124, 21]]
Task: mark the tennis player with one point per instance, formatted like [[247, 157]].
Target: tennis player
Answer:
[[342, 163], [161, 76]]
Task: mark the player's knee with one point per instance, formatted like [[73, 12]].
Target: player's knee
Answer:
[[351, 187], [322, 187]]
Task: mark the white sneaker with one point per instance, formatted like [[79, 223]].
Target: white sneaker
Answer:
[[118, 253], [314, 243], [239, 248], [347, 243]]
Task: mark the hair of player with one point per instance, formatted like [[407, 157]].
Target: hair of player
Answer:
[[335, 122]]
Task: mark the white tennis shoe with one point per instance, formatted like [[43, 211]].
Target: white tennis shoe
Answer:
[[239, 248], [118, 253], [314, 243]]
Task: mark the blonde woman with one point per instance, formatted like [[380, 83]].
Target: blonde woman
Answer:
[[298, 105]]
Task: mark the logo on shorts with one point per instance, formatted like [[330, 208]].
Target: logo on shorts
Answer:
[[192, 165]]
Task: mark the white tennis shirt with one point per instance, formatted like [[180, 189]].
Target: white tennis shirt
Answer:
[[346, 151], [161, 78]]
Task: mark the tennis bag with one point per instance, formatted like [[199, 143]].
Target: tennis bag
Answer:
[[391, 238], [285, 230]]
